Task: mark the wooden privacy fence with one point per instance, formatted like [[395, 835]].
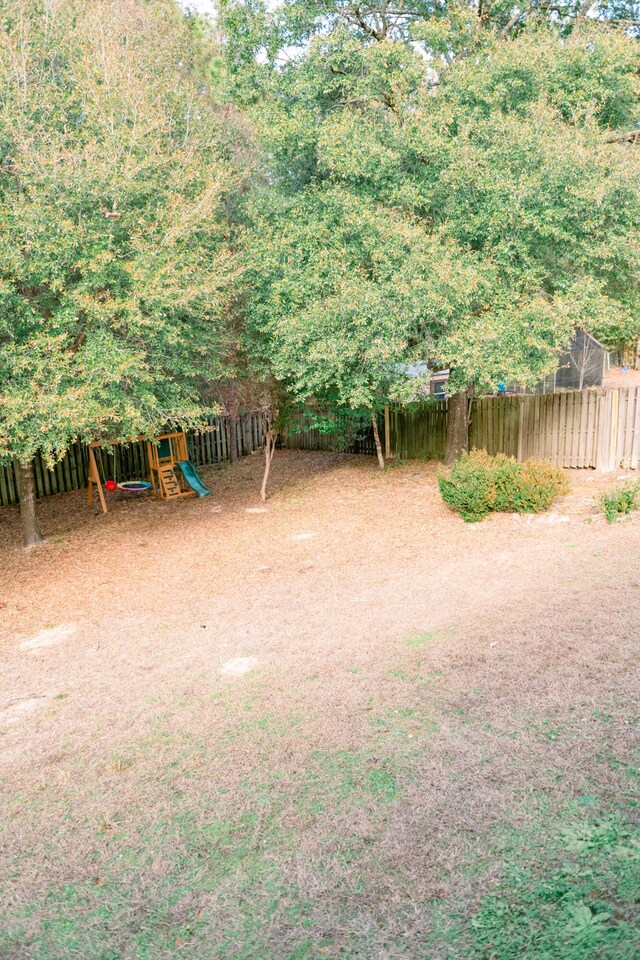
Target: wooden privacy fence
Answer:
[[71, 473], [418, 431], [624, 442], [564, 431], [357, 441], [590, 428]]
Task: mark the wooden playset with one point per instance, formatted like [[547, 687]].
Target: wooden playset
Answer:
[[165, 453], [171, 451]]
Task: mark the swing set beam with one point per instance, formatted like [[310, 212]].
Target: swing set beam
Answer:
[[94, 473], [94, 478]]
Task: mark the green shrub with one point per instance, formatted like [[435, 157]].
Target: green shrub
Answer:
[[621, 501], [470, 487], [506, 478], [478, 484], [537, 487]]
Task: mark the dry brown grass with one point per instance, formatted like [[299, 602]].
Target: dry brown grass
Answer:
[[421, 689]]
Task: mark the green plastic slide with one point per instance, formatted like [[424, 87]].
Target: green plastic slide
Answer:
[[192, 478]]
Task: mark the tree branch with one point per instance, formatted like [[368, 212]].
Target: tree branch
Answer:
[[627, 136], [585, 7], [506, 30]]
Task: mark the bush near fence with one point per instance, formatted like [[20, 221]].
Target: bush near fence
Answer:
[[479, 483], [72, 472]]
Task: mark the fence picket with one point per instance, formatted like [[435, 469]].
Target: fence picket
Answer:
[[634, 458], [579, 415], [591, 439], [625, 433]]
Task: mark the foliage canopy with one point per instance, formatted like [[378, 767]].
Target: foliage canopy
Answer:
[[470, 207], [114, 266]]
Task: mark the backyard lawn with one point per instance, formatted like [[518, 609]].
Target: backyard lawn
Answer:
[[343, 725]]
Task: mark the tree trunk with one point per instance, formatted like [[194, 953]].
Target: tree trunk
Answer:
[[31, 535], [376, 438], [233, 439], [457, 440], [269, 450]]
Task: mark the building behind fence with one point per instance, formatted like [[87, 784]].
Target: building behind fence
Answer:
[[583, 365], [589, 428]]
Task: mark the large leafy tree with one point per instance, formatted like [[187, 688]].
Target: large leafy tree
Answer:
[[260, 32], [114, 267], [342, 297], [470, 207]]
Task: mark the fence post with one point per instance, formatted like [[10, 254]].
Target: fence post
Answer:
[[615, 424], [520, 456], [608, 408]]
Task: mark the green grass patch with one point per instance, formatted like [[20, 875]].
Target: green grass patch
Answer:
[[423, 639], [569, 894], [621, 501], [337, 779], [305, 852]]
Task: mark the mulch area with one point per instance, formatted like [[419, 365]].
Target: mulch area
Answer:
[[338, 545], [354, 596]]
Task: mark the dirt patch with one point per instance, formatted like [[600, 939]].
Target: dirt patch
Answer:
[[18, 708], [239, 666], [48, 637]]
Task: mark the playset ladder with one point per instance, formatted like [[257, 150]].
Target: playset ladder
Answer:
[[169, 483]]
